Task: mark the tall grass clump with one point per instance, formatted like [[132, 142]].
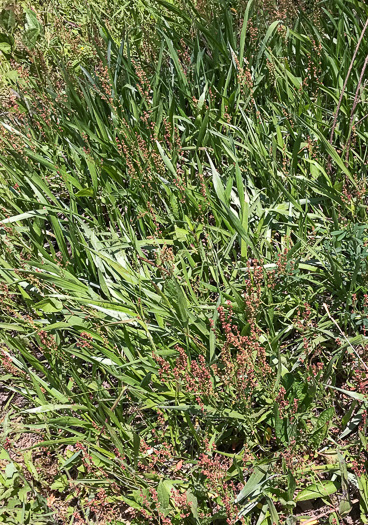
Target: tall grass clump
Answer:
[[184, 272]]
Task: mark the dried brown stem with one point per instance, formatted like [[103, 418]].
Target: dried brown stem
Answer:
[[315, 519]]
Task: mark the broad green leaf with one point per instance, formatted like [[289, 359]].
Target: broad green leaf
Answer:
[[49, 305], [254, 483], [320, 490], [7, 18]]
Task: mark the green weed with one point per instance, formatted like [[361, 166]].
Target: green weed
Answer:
[[184, 270]]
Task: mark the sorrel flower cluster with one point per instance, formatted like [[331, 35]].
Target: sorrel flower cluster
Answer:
[[194, 376], [243, 362], [241, 365]]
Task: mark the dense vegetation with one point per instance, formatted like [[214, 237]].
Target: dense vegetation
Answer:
[[183, 263]]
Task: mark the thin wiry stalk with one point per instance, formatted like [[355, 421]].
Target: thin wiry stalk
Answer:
[[336, 114], [356, 99]]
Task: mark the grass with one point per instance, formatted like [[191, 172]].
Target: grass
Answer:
[[184, 272]]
